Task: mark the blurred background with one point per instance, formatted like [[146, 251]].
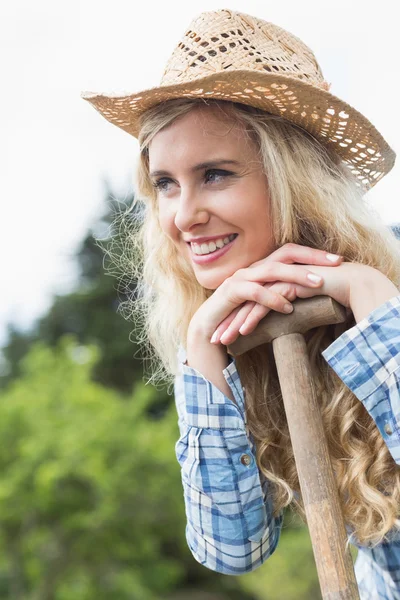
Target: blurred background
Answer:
[[91, 503]]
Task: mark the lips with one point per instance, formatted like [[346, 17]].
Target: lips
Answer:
[[205, 259]]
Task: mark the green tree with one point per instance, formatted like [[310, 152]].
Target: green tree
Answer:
[[90, 313]]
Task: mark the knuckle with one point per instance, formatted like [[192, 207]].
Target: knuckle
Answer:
[[289, 249], [289, 246], [228, 289], [238, 274], [276, 300], [258, 294], [270, 267], [285, 289], [229, 285]]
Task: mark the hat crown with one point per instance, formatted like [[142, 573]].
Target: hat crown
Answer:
[[226, 40]]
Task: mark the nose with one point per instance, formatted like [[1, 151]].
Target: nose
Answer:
[[191, 210]]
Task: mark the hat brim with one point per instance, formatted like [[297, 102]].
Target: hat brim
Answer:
[[333, 122]]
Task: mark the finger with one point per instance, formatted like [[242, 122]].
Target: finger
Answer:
[[288, 290], [277, 271], [269, 299], [241, 316], [223, 326], [236, 322], [230, 296], [306, 292], [253, 319], [237, 292], [295, 253]]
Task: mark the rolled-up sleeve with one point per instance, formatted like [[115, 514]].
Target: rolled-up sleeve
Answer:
[[230, 525]]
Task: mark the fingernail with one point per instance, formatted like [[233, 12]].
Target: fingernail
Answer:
[[223, 338], [242, 328], [288, 308], [214, 337], [332, 257], [314, 278]]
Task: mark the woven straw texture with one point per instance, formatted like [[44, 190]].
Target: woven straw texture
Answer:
[[233, 56]]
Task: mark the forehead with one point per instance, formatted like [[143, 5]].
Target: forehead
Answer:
[[196, 134]]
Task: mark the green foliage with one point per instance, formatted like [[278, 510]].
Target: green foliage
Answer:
[[89, 485]]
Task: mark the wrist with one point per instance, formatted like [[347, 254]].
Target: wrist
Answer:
[[198, 343], [207, 359], [370, 290], [197, 333]]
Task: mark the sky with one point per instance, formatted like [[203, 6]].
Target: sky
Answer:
[[57, 151]]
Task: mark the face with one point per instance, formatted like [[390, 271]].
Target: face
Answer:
[[212, 194]]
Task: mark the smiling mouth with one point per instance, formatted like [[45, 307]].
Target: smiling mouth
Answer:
[[207, 248], [213, 255]]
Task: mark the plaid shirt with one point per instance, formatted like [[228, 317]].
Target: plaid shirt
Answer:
[[230, 525]]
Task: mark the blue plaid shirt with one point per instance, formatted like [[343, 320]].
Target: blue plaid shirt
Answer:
[[230, 525]]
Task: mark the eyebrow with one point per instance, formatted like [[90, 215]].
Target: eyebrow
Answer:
[[204, 165]]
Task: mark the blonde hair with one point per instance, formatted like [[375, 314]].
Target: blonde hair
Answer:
[[314, 202]]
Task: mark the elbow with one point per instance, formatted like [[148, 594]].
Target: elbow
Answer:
[[232, 556]]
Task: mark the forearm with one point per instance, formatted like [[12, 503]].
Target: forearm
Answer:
[[208, 359]]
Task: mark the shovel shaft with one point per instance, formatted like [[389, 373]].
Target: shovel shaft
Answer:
[[317, 483]]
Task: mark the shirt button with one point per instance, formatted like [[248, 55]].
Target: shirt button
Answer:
[[245, 459], [388, 429]]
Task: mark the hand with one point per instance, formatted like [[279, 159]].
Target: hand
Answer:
[[248, 284], [359, 287]]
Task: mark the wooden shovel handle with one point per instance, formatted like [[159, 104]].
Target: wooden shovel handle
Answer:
[[317, 482]]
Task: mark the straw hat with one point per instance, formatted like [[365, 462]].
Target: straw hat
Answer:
[[229, 55]]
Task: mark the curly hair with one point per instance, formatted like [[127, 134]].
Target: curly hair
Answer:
[[315, 201]]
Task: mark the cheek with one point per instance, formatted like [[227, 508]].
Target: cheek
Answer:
[[166, 220]]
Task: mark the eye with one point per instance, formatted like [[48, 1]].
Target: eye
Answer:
[[160, 183], [210, 176], [216, 173]]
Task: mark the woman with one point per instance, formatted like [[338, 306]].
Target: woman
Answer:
[[252, 175]]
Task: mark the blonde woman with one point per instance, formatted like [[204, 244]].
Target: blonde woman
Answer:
[[251, 176]]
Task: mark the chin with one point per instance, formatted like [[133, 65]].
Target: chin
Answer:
[[211, 281]]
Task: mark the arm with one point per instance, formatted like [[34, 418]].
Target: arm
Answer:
[[367, 360], [230, 526]]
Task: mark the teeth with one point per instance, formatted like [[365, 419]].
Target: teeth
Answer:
[[207, 248]]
